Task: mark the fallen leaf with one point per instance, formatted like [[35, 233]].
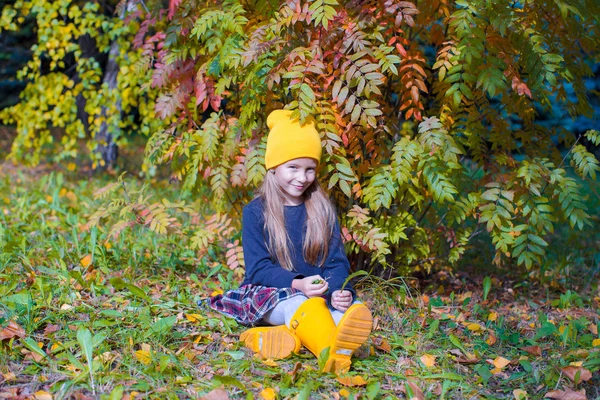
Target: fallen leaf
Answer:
[[12, 330], [9, 376], [354, 380], [344, 393], [41, 395], [464, 296], [533, 350], [143, 356], [268, 394], [217, 394], [499, 362], [428, 360], [417, 393], [86, 260], [520, 394], [66, 307], [475, 327], [493, 316], [194, 317], [216, 293], [593, 328], [491, 340], [566, 394], [596, 342], [51, 329], [381, 344], [468, 359], [269, 362], [572, 372]]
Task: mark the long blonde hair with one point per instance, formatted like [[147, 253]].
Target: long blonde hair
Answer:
[[320, 222]]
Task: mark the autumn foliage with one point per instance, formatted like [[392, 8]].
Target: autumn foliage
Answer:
[[429, 114]]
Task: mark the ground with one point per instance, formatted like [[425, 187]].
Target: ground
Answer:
[[84, 317]]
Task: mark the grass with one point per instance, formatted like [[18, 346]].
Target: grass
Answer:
[[83, 317]]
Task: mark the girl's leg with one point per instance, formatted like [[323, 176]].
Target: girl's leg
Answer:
[[283, 312]]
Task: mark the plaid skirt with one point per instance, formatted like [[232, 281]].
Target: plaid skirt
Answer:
[[248, 304]]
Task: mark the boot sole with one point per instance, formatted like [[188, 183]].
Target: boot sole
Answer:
[[272, 343], [353, 330]]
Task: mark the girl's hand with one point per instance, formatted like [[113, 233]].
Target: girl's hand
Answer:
[[341, 300], [311, 286]]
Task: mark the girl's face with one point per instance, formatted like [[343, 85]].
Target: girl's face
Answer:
[[294, 177]]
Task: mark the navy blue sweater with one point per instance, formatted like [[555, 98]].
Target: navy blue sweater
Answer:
[[261, 269]]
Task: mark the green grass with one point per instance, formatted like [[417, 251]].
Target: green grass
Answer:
[[130, 313]]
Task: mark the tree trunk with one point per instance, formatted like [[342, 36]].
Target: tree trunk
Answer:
[[106, 147]]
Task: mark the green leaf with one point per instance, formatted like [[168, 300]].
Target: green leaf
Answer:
[[487, 284]]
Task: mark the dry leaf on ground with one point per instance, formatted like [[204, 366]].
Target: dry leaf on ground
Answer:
[[566, 394], [12, 330], [417, 393], [217, 394], [355, 380], [571, 373], [533, 350], [428, 360]]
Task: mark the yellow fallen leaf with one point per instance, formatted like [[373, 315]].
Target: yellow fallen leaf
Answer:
[[41, 395], [520, 394], [66, 306], [428, 360], [86, 260], [269, 362], [216, 293], [71, 166], [593, 328], [268, 394], [493, 316], [596, 342], [193, 317], [49, 199], [344, 393], [354, 380], [143, 356], [499, 362], [475, 327]]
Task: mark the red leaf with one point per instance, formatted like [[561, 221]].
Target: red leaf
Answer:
[[172, 7], [566, 394]]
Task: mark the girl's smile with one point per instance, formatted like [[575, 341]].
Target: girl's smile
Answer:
[[294, 177]]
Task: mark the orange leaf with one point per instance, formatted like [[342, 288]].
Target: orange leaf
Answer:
[[12, 330], [491, 340], [86, 261], [571, 372], [354, 380], [566, 394], [381, 344]]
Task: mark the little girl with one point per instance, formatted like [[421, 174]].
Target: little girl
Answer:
[[295, 260]]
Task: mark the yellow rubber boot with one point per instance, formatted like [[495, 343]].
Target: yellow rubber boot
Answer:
[[315, 327], [271, 341]]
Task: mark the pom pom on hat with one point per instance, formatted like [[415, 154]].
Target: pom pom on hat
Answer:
[[289, 140]]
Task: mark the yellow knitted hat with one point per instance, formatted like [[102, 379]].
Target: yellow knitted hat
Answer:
[[289, 140]]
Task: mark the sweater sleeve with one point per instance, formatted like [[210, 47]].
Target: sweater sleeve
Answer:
[[260, 268], [337, 267]]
